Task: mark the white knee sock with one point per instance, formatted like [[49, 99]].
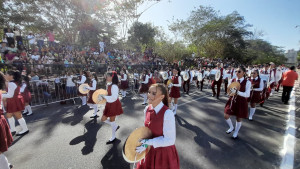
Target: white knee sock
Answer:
[[3, 162], [95, 106], [175, 108], [229, 122], [124, 93], [25, 110], [237, 128], [12, 124], [113, 130], [22, 123], [29, 109], [252, 111], [83, 100]]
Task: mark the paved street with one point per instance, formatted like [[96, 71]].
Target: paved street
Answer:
[[64, 137]]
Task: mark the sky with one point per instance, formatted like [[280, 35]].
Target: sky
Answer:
[[276, 18]]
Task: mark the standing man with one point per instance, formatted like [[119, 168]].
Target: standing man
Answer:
[[218, 83], [288, 82], [51, 39]]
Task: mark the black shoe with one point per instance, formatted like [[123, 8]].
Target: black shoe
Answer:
[[13, 133], [213, 95], [110, 142], [144, 104], [234, 138], [11, 166], [25, 113], [261, 104], [117, 128], [285, 103], [229, 132], [96, 116], [22, 134], [29, 114], [217, 97]]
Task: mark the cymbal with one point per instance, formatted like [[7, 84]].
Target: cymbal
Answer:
[[82, 89], [96, 95], [235, 85], [169, 82], [133, 141]]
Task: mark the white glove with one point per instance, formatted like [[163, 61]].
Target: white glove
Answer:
[[145, 144], [100, 97], [170, 85], [85, 88], [233, 90]]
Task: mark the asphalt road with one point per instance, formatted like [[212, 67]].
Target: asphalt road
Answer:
[[64, 137]]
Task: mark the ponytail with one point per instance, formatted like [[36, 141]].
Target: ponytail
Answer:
[[164, 92]]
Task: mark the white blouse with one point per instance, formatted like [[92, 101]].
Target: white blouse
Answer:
[[124, 77], [94, 85], [114, 93], [146, 80], [11, 90], [248, 87], [261, 85], [83, 79], [179, 82], [169, 129]]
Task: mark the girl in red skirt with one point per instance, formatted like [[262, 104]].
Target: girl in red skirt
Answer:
[[93, 87], [124, 83], [161, 121], [237, 105], [144, 86], [175, 88], [257, 88], [5, 135], [25, 91], [15, 102], [113, 106]]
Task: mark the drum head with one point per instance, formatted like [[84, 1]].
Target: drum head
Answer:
[[218, 75], [133, 141], [200, 77], [82, 89], [97, 94], [235, 85]]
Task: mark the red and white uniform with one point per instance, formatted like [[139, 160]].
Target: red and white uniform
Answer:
[[163, 154], [25, 93], [15, 101], [5, 135], [92, 88], [124, 82], [238, 105], [175, 89], [113, 105], [258, 86], [82, 79], [144, 85]]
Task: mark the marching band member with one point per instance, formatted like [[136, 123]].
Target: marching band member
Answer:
[[144, 86], [225, 78], [175, 88], [265, 71], [151, 80], [257, 88], [5, 135], [279, 81], [160, 120], [15, 102], [237, 105], [113, 107], [201, 70], [82, 78], [92, 88], [218, 83], [187, 82], [124, 83], [135, 79], [25, 92]]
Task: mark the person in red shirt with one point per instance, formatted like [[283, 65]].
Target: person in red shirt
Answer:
[[288, 82]]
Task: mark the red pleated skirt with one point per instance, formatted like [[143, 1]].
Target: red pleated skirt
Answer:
[[160, 158], [144, 88], [255, 97], [124, 85], [113, 109], [5, 135], [175, 92], [15, 104], [90, 100], [26, 96], [237, 106]]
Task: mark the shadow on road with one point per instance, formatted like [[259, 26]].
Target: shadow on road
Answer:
[[89, 137], [114, 158], [77, 116]]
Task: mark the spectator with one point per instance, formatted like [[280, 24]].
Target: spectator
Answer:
[[40, 40], [10, 37], [34, 76], [10, 56], [19, 38], [35, 56], [31, 39], [288, 82], [50, 36]]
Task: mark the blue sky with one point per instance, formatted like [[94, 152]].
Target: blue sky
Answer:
[[276, 18]]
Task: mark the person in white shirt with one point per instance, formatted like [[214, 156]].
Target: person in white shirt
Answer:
[[144, 86], [93, 87], [71, 89], [82, 79], [135, 79], [10, 37], [237, 105], [256, 89], [161, 121], [124, 83], [25, 92], [35, 56], [31, 39], [113, 107]]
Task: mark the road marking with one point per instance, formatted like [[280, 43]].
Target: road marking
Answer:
[[289, 138]]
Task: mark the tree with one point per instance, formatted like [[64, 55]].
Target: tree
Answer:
[[141, 34]]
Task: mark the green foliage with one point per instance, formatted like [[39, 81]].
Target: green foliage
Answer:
[[141, 34]]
